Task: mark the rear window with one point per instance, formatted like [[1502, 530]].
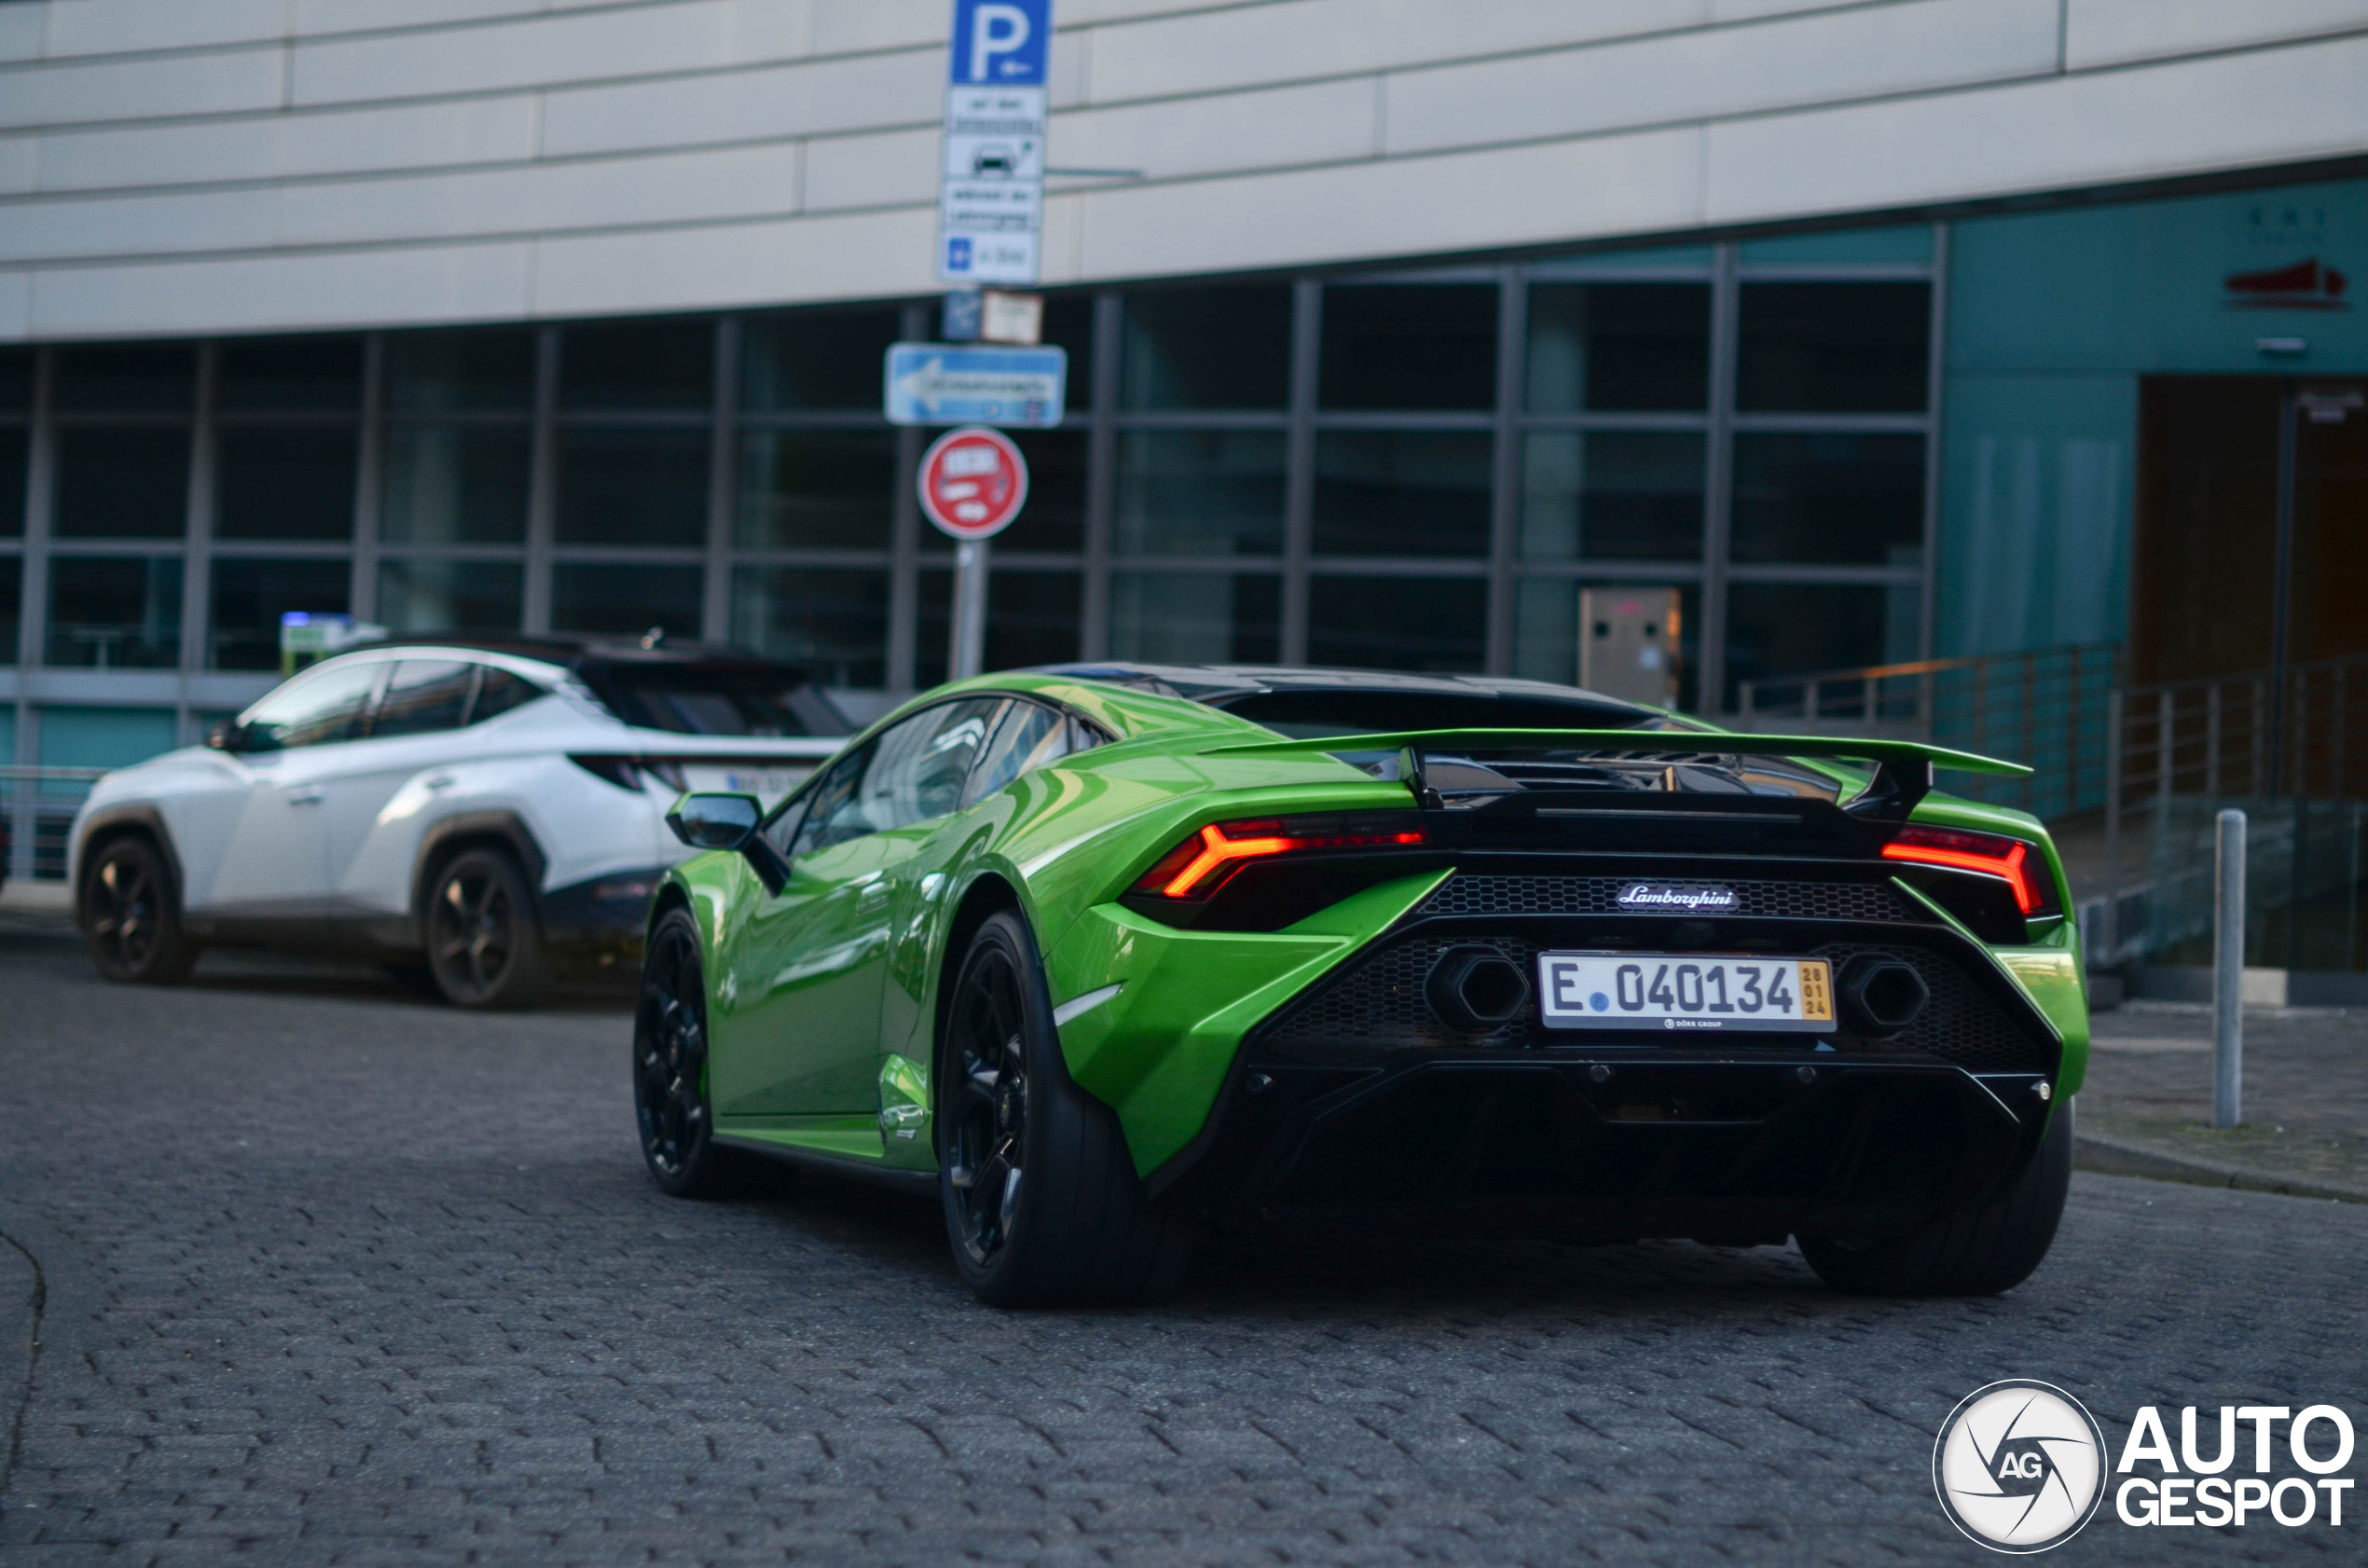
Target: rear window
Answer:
[[1305, 715], [714, 699]]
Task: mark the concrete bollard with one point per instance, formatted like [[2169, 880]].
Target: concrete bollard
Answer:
[[2229, 972]]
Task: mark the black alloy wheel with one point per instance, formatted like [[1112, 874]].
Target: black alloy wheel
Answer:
[[482, 947], [1041, 1199], [987, 1135], [131, 919], [670, 1062]]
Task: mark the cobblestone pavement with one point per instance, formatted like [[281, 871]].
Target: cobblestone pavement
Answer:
[[2306, 1100], [337, 1277]]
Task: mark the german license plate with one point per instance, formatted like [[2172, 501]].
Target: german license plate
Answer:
[[767, 784], [1685, 991]]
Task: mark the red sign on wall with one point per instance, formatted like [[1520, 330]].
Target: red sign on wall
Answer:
[[974, 482]]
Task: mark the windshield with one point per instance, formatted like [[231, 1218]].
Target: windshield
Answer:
[[750, 699]]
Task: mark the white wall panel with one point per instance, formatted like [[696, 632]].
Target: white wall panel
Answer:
[[117, 26], [316, 17], [842, 28], [146, 87], [1850, 54], [413, 285], [20, 164], [885, 169], [149, 224], [2225, 112], [856, 255], [2113, 32], [21, 30], [284, 146], [1317, 122], [1644, 182], [634, 40], [865, 92]]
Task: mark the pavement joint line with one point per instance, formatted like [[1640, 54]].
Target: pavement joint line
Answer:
[[2111, 1156], [36, 1306]]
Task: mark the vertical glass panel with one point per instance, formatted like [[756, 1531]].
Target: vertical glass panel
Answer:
[[1546, 632], [834, 623], [1206, 347], [454, 485], [423, 696], [1408, 345], [1398, 623], [1829, 499], [626, 601], [1618, 346], [1200, 492], [815, 490], [1196, 617], [16, 380], [1031, 619], [14, 445], [1799, 628], [816, 359], [1068, 325], [289, 483], [296, 375], [1054, 517], [11, 599], [1612, 495], [638, 365], [115, 612], [1402, 493], [1833, 347], [425, 595], [633, 487], [459, 372], [160, 380], [103, 736], [123, 484], [249, 596]]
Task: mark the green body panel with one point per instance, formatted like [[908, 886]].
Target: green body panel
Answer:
[[831, 1048]]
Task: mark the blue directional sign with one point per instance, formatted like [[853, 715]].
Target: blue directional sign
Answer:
[[1000, 43], [944, 384]]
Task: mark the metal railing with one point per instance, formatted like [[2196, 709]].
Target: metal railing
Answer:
[[2048, 707], [38, 804]]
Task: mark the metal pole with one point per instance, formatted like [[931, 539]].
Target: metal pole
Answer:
[[968, 644], [2112, 932], [2229, 974]]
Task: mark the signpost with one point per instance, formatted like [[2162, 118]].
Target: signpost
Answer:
[[991, 180], [974, 482], [945, 384]]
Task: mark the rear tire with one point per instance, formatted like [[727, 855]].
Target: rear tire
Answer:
[[1979, 1252], [1041, 1200], [131, 915], [483, 948]]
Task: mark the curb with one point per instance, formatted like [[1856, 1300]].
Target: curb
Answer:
[[2112, 1157]]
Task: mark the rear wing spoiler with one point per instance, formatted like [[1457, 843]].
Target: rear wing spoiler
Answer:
[[1903, 768]]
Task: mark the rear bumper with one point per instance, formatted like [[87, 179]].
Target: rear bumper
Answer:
[[602, 920], [1354, 1105]]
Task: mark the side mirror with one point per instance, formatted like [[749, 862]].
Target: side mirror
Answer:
[[224, 737], [715, 821]]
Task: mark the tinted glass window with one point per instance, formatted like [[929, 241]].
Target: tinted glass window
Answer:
[[450, 595], [1207, 348], [832, 815], [316, 707], [624, 601], [1402, 493], [1833, 347], [1618, 346], [285, 484], [1612, 495], [424, 696], [304, 374], [454, 484], [499, 691], [814, 359], [1200, 492], [642, 364], [919, 767], [471, 370], [712, 700], [1029, 737], [115, 612], [249, 596], [123, 484], [1829, 498], [1408, 345], [822, 488], [164, 380], [11, 589], [14, 446], [633, 487]]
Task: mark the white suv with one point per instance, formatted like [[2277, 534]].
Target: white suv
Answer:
[[475, 814]]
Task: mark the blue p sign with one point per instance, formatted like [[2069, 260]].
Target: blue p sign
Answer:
[[1001, 42]]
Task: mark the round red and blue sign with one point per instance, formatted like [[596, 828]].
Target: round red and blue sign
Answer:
[[974, 482]]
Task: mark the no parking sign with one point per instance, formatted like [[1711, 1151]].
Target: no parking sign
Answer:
[[974, 482]]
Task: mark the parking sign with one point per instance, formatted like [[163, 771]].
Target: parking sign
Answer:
[[991, 165]]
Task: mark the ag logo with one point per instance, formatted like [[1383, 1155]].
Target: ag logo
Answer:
[[2020, 1465]]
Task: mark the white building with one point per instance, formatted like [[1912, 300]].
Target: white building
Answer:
[[1875, 328]]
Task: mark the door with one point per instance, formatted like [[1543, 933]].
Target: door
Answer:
[[412, 731], [2252, 525], [800, 1033], [288, 746]]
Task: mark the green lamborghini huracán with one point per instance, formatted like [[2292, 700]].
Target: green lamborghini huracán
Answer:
[[1103, 956]]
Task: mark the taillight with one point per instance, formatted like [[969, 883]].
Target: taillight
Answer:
[[1993, 854], [1201, 864]]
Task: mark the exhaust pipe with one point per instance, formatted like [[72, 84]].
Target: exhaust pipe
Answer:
[[1476, 990], [1880, 996]]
